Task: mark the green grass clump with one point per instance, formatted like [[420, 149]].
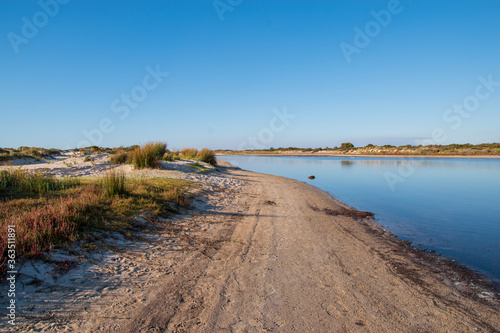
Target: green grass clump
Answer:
[[189, 153], [206, 155], [159, 149], [113, 183], [120, 157], [21, 183], [145, 156]]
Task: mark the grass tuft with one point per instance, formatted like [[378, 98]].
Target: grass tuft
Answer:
[[189, 153], [147, 156], [120, 157], [113, 183], [159, 149], [206, 155]]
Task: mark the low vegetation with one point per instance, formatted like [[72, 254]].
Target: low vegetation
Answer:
[[171, 156], [113, 183], [159, 149], [348, 148], [149, 155], [49, 212], [7, 154], [120, 157], [18, 182], [207, 156], [189, 153]]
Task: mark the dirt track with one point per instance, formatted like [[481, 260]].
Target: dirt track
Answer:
[[284, 264]]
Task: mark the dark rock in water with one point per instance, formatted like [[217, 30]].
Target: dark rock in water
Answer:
[[311, 177]]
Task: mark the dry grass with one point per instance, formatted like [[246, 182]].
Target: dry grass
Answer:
[[120, 157], [45, 221], [147, 156], [113, 183], [63, 213], [7, 154], [16, 182], [159, 149], [206, 155], [189, 153]]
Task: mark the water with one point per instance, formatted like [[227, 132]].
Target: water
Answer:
[[449, 205]]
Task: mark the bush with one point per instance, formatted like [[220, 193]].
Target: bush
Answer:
[[171, 156], [168, 156], [346, 145], [113, 183], [206, 155], [189, 152], [145, 156], [94, 149], [87, 159], [159, 149], [121, 157], [52, 151]]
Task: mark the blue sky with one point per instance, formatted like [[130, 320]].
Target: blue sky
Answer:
[[234, 65]]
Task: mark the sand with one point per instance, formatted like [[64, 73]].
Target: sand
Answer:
[[256, 253]]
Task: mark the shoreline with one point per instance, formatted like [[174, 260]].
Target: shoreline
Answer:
[[367, 155], [264, 253], [432, 257]]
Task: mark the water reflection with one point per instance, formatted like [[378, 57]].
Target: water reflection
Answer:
[[346, 163]]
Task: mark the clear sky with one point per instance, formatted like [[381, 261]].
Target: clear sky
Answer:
[[247, 73]]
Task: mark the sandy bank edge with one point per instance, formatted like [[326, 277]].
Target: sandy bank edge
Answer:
[[459, 273]]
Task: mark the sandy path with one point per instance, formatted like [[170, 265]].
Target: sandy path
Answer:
[[287, 266]]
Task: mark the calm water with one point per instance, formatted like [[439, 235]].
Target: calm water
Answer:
[[451, 206]]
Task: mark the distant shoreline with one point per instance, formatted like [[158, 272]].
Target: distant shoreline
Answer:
[[361, 155]]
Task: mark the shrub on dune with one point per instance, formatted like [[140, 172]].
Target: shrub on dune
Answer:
[[206, 155], [146, 156], [159, 149], [121, 157], [189, 152]]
